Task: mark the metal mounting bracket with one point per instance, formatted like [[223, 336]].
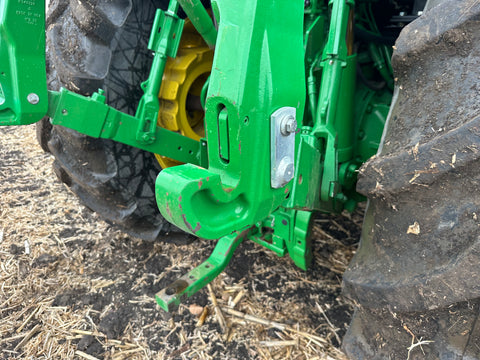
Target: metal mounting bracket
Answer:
[[283, 128]]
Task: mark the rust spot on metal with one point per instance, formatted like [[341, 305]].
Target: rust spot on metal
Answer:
[[228, 190], [238, 240], [200, 183], [169, 212], [198, 227], [177, 287], [187, 224], [189, 227], [286, 190], [241, 236]]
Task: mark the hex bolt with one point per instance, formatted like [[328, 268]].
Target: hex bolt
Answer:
[[288, 125], [147, 138], [33, 98]]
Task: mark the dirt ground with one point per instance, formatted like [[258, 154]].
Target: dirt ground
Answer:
[[73, 287]]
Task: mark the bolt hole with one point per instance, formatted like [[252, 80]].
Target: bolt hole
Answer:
[[299, 242], [170, 291], [64, 112], [207, 266], [246, 120], [190, 152], [191, 277], [284, 222], [179, 148]]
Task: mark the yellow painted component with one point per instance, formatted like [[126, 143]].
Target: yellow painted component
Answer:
[[183, 79]]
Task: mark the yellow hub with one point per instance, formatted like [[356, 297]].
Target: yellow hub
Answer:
[[183, 80]]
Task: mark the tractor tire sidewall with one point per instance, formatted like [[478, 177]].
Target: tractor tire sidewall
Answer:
[[103, 44], [416, 274]]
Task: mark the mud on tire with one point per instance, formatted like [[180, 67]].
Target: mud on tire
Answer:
[[416, 275], [103, 44]]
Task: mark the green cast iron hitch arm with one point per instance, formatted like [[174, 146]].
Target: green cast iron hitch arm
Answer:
[[256, 93]]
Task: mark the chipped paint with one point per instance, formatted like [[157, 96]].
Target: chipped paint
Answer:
[[169, 212], [189, 227]]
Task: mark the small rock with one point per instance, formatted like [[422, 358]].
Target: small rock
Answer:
[[15, 250], [195, 309], [414, 229]]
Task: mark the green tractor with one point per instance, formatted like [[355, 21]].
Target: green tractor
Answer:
[[237, 120]]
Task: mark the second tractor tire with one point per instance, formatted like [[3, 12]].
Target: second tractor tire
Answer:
[[415, 278]]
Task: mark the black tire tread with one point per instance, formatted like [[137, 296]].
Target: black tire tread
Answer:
[[103, 44], [415, 274]]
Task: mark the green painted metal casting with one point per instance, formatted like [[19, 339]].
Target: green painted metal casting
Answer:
[[187, 285], [92, 117], [248, 83], [286, 232], [23, 80]]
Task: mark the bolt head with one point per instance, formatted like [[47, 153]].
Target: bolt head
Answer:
[[148, 138], [288, 125], [33, 98]]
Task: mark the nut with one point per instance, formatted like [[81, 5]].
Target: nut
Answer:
[[288, 125]]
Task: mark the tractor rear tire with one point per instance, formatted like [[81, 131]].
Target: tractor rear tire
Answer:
[[415, 279], [103, 44]]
